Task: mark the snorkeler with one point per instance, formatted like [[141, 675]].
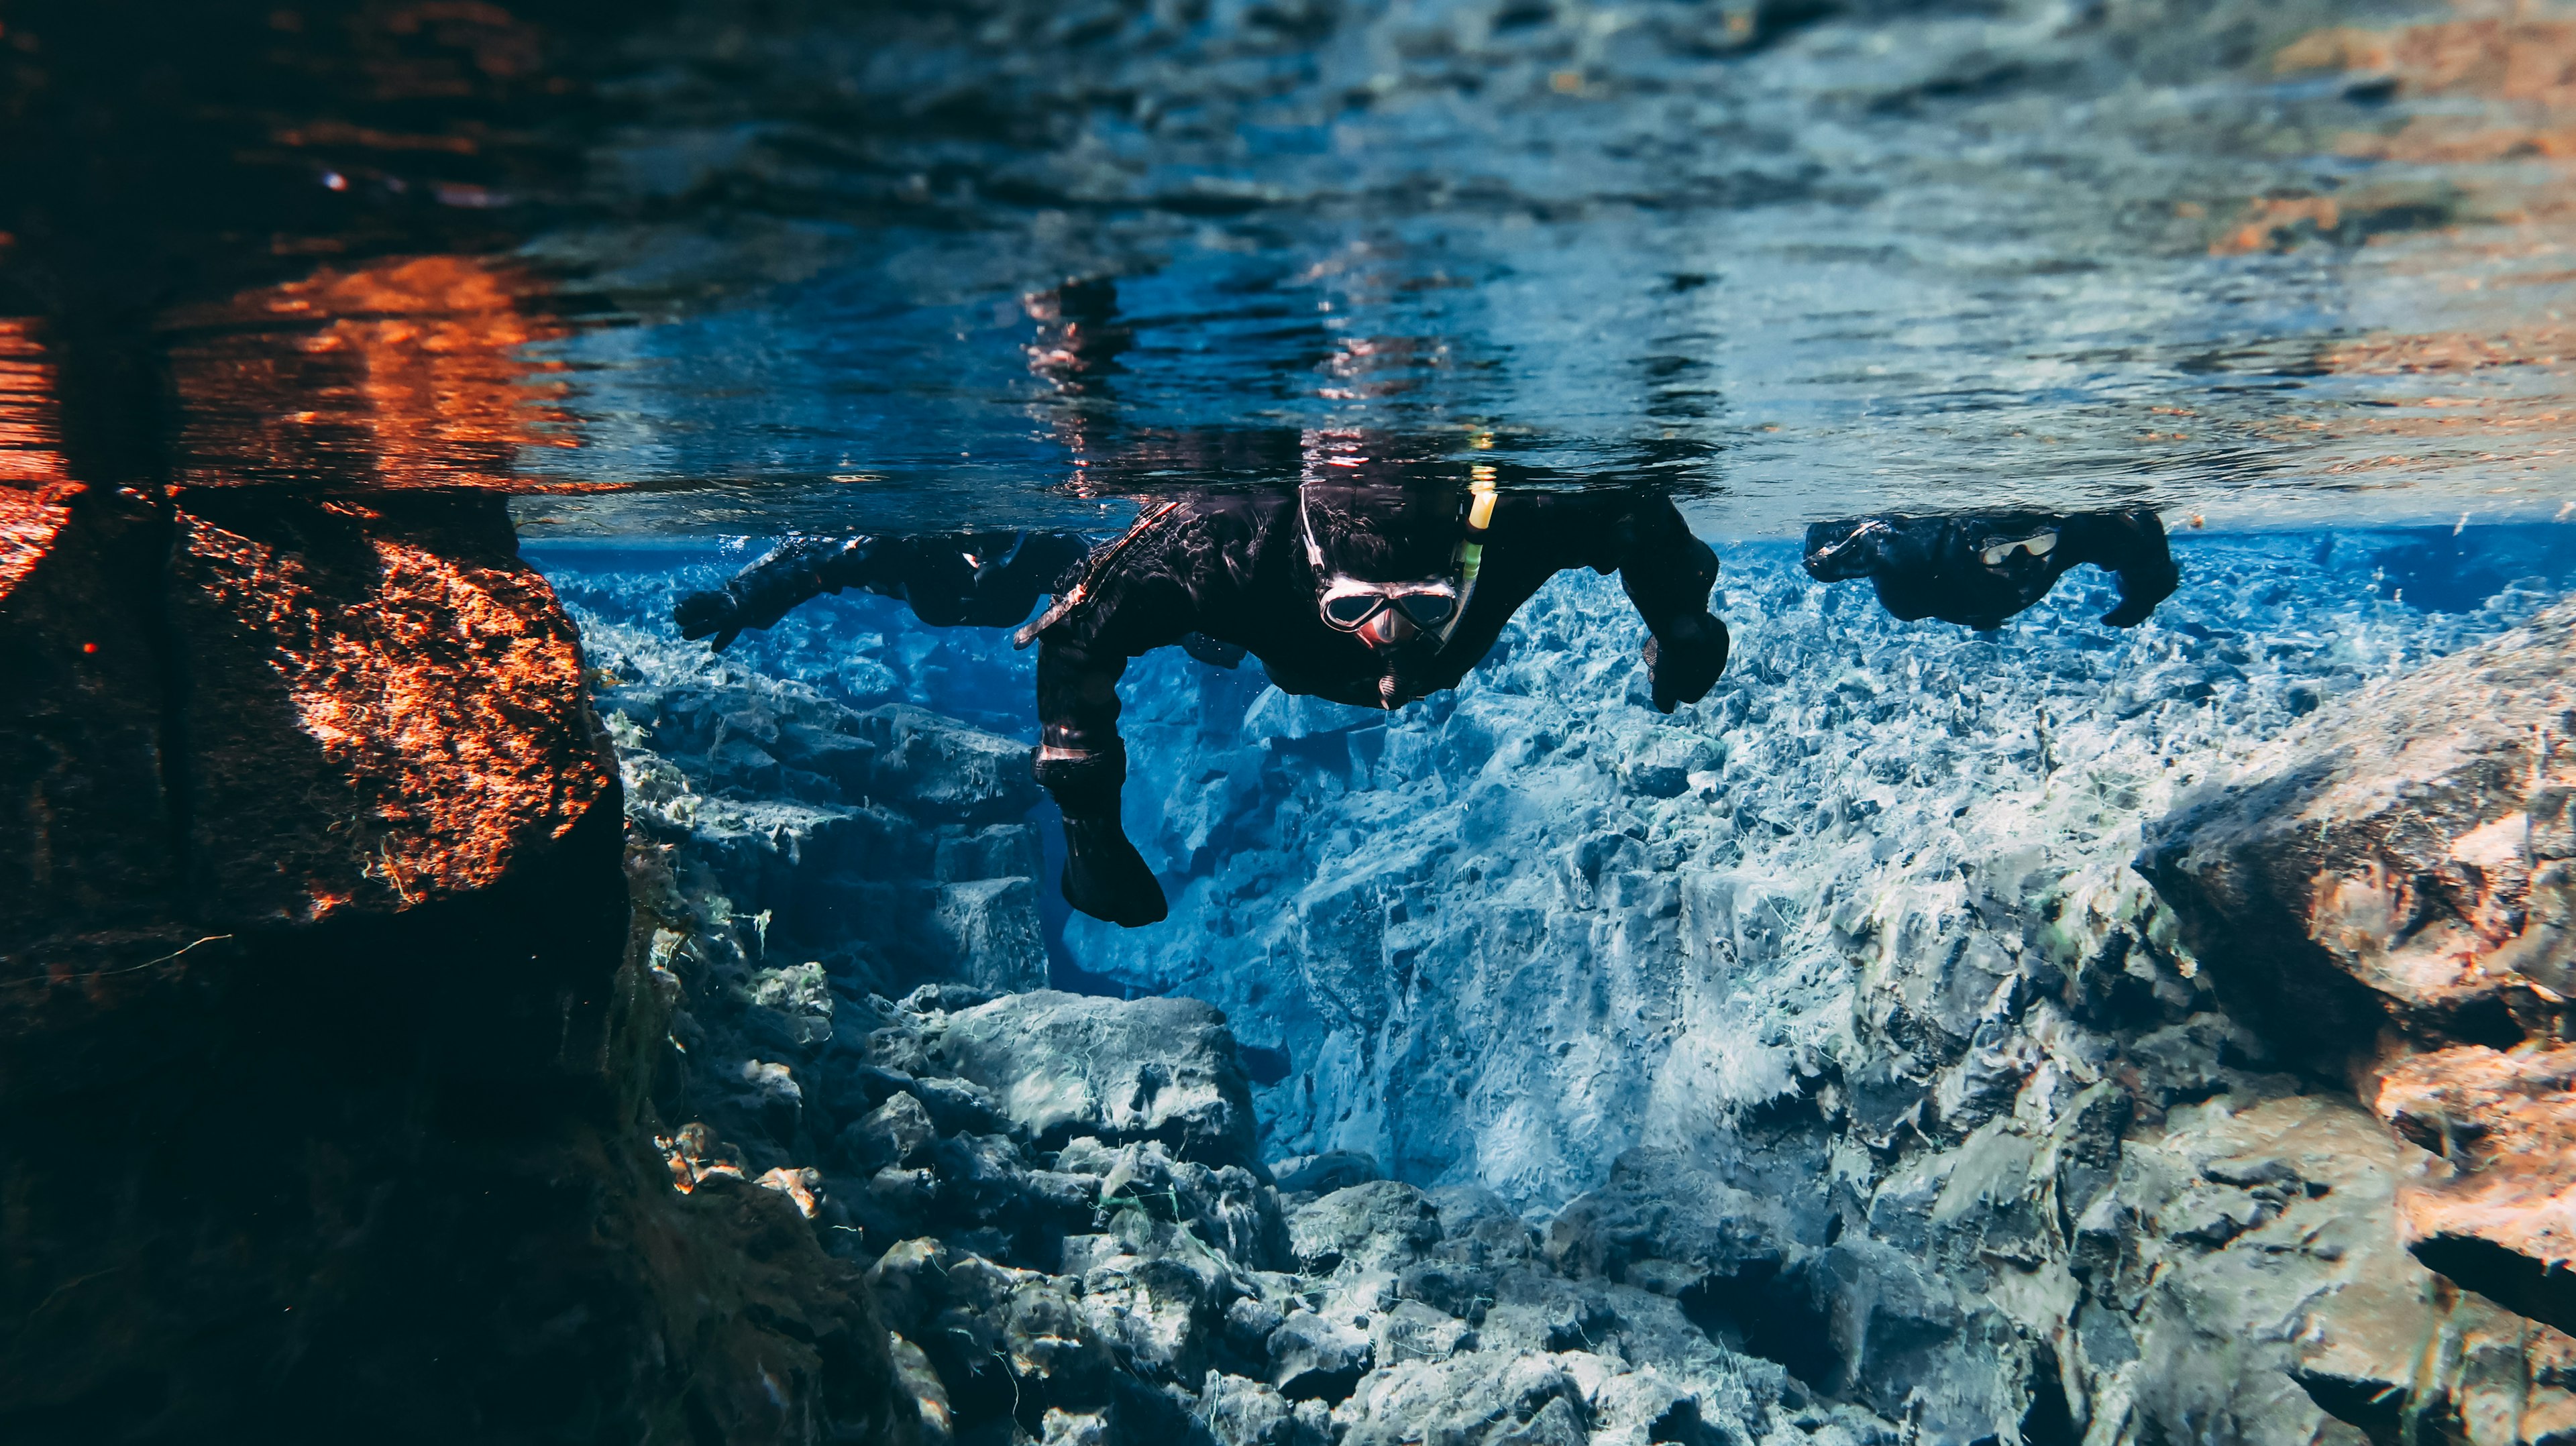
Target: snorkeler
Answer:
[[1373, 593], [1364, 591], [1979, 569], [956, 579]]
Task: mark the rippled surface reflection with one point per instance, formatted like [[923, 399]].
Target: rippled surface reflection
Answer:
[[692, 272]]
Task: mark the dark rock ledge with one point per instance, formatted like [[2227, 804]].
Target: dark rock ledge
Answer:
[[325, 1062]]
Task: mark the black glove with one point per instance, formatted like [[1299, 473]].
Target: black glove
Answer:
[[1106, 878], [2143, 585], [701, 613], [1684, 661]]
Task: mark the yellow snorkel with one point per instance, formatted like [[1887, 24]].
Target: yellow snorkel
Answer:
[[1471, 548]]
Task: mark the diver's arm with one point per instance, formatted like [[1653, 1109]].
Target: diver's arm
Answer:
[[1668, 574], [761, 594], [2133, 545]]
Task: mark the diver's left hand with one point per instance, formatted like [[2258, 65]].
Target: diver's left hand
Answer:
[[1685, 660], [703, 613]]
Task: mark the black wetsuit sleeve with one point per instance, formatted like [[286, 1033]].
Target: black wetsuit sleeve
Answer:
[[1666, 570], [796, 570], [980, 579], [2132, 545]]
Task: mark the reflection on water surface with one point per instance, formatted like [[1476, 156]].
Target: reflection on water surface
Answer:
[[2259, 262]]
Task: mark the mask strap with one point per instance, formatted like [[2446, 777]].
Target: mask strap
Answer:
[[1306, 525]]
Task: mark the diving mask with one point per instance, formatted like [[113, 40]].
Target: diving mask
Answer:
[[1350, 605], [1387, 615], [1996, 554]]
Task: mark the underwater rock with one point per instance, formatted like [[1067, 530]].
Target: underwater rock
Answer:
[[1066, 1065], [1856, 1080], [1477, 1400], [327, 1066], [1379, 1225], [2271, 1228], [2497, 1213], [2389, 893], [1837, 1050], [889, 842], [2408, 851], [1068, 1235], [250, 710], [1240, 1412]]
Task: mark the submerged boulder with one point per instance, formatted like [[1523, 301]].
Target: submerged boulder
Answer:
[[2391, 895], [1067, 1065], [2410, 853], [327, 1060]]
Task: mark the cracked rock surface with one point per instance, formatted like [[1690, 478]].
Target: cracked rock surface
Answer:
[[1809, 1064], [2391, 888]]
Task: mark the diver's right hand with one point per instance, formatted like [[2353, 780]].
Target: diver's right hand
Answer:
[[702, 613], [1684, 662], [1106, 878]]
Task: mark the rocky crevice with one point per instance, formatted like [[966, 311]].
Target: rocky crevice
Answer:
[[1855, 1080]]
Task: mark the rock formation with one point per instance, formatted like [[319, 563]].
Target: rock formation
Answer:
[[892, 841], [326, 1065], [1857, 1086], [2387, 893]]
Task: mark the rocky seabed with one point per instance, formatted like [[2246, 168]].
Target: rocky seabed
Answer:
[[1813, 1063]]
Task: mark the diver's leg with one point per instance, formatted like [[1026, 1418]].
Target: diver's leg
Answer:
[[1082, 763]]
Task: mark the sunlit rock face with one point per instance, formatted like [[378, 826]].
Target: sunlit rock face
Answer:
[[2388, 892], [327, 1063], [246, 710]]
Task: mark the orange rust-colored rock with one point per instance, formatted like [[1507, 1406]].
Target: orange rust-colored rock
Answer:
[[30, 517], [327, 1058], [2521, 57], [2498, 1207], [253, 709], [2391, 895], [419, 691]]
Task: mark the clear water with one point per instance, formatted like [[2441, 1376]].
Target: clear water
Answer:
[[2282, 289]]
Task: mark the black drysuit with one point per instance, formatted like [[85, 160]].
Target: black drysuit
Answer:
[[1239, 568], [1223, 573], [1979, 569]]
